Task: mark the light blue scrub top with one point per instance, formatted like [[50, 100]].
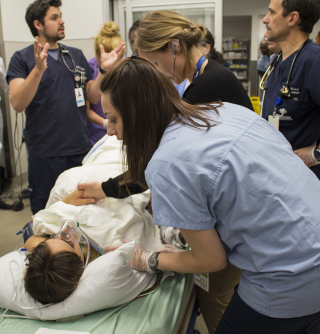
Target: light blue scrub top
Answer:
[[243, 178], [263, 63]]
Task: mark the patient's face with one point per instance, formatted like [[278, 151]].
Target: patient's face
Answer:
[[115, 126], [59, 245]]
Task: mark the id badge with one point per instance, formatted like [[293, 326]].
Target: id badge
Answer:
[[202, 280], [79, 97], [274, 120]]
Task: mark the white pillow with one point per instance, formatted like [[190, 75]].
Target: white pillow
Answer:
[[108, 281]]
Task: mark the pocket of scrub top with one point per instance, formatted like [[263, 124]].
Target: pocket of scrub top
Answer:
[[293, 108]]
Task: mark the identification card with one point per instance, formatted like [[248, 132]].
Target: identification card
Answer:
[[274, 120], [202, 280], [79, 97]]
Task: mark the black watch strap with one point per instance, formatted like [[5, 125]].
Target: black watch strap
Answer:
[[153, 263], [102, 71]]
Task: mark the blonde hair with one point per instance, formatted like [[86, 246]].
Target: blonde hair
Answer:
[[159, 27], [108, 36]]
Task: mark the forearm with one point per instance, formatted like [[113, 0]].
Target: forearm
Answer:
[[111, 188], [93, 93], [94, 117], [207, 254], [188, 262], [21, 94]]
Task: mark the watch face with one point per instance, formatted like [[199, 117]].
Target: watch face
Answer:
[[153, 262], [317, 154]]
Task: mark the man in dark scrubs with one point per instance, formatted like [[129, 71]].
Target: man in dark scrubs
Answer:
[[51, 82], [294, 107]]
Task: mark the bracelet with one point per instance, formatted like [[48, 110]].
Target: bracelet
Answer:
[[102, 71]]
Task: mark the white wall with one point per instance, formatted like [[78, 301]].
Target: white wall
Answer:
[[83, 20]]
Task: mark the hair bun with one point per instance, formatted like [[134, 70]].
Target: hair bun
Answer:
[[109, 29]]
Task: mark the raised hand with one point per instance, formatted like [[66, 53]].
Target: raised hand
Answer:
[[109, 59], [40, 55]]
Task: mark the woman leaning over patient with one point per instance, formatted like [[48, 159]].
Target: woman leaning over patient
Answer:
[[213, 174], [174, 43]]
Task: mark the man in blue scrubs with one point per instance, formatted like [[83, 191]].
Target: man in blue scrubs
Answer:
[[50, 82], [289, 23]]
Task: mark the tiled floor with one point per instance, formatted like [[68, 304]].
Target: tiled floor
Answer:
[[11, 222]]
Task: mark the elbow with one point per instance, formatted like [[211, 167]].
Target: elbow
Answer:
[[15, 106], [218, 265]]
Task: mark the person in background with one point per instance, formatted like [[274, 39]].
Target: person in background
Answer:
[[274, 48], [133, 31], [5, 88], [45, 80], [210, 50], [175, 43], [109, 37], [296, 95], [264, 60], [317, 39]]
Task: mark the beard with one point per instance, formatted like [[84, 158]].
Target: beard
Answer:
[[52, 38]]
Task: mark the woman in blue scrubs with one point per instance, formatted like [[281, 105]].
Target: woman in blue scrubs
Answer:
[[213, 175]]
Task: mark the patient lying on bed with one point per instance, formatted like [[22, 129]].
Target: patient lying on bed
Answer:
[[55, 266]]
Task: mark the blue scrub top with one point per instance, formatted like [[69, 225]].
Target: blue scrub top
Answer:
[[55, 125], [304, 104], [263, 63], [259, 196]]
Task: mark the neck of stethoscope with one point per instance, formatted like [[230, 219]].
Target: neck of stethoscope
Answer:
[[294, 60], [63, 51]]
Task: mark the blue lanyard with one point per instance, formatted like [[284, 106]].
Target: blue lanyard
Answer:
[[199, 64]]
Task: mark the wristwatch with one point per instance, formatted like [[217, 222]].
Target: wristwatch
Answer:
[[102, 71], [316, 153], [153, 262]]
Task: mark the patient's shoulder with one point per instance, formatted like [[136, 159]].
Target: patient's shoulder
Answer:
[[33, 242]]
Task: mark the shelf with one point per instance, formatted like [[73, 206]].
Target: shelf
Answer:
[[227, 58], [242, 78], [235, 50]]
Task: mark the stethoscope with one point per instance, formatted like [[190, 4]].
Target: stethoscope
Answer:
[[284, 91], [77, 75]]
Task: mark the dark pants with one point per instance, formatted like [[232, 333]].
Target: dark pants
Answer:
[[43, 173], [239, 318]]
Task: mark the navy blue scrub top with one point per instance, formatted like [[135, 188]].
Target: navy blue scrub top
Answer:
[[55, 125], [304, 103]]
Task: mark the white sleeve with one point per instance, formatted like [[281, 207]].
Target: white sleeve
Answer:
[[3, 81]]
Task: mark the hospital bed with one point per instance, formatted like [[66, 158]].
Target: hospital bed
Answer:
[[170, 309]]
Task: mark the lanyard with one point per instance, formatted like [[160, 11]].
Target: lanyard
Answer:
[[199, 64]]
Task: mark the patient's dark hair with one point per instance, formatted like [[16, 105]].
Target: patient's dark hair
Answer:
[[37, 11], [151, 104], [51, 278]]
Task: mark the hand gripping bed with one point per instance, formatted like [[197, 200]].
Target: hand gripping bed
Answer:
[[108, 281]]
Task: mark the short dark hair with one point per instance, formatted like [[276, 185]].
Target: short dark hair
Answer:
[[209, 39], [134, 27], [309, 12], [51, 278], [37, 11]]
